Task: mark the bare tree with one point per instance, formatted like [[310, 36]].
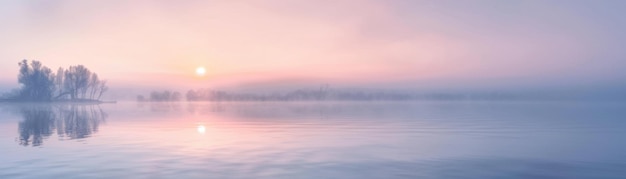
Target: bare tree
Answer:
[[103, 88], [59, 83], [94, 85]]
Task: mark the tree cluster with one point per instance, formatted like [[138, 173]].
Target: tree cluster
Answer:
[[39, 83]]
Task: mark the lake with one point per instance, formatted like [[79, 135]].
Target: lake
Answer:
[[425, 139]]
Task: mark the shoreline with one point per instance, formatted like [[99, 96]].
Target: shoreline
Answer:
[[82, 101]]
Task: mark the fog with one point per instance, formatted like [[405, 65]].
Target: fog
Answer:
[[312, 89], [572, 47]]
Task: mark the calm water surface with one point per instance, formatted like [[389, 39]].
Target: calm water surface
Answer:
[[314, 140]]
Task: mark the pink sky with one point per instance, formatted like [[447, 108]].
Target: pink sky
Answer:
[[160, 43]]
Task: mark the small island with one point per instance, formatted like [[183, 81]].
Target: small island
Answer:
[[76, 84]]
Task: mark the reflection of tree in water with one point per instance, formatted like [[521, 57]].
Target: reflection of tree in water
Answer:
[[77, 122], [70, 121], [38, 123]]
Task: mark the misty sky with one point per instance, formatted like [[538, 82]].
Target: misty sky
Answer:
[[399, 43]]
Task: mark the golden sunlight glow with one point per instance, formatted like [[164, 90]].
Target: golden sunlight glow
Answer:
[[200, 71], [201, 129]]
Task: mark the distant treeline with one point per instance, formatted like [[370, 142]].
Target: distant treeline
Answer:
[[39, 83], [327, 94], [296, 95], [161, 96]]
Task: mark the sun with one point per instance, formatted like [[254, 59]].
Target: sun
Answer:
[[201, 129], [200, 71]]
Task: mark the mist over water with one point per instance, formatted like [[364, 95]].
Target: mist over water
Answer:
[[350, 89], [426, 139]]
